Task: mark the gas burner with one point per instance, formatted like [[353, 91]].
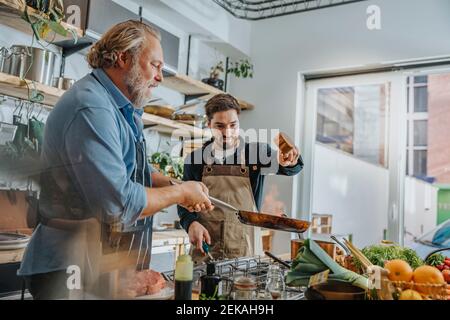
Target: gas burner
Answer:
[[231, 269]]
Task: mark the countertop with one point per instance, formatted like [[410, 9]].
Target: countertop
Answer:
[[160, 238]]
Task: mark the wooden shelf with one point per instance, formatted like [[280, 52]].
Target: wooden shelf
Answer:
[[11, 12], [188, 86], [15, 87], [175, 128]]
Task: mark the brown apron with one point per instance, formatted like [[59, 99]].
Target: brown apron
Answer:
[[229, 237]]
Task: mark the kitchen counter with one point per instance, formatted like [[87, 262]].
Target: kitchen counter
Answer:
[[160, 238], [11, 256], [173, 236]]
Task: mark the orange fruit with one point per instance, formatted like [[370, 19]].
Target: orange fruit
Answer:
[[399, 270], [427, 275], [410, 295]]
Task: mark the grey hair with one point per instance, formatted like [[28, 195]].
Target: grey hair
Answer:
[[126, 36]]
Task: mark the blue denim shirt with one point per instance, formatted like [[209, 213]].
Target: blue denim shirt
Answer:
[[89, 149]]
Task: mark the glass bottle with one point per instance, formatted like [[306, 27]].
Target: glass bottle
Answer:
[[275, 282], [183, 277]]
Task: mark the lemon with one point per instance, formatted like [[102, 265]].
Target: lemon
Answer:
[[410, 295]]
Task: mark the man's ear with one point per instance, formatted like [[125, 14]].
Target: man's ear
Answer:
[[123, 60]]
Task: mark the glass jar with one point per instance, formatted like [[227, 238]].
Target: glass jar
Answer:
[[275, 287], [244, 288]]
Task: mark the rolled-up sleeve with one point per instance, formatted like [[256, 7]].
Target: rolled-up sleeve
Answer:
[[97, 165], [191, 173]]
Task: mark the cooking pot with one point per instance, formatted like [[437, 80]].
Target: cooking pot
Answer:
[[63, 83], [31, 63], [335, 290]]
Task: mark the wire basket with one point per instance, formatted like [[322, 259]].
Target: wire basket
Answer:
[[428, 291]]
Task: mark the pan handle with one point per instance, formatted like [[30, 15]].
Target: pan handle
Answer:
[[287, 265], [221, 204], [216, 202]]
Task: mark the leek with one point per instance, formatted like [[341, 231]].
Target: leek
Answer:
[[312, 259]]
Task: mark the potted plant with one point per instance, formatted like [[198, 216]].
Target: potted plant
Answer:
[[169, 166], [240, 69], [48, 17], [214, 75]]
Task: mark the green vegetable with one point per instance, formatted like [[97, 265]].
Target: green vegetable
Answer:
[[312, 259], [435, 259], [378, 254]]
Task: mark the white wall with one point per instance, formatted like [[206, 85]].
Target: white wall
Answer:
[[328, 39], [209, 19]]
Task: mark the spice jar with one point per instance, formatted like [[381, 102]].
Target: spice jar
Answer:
[[275, 282], [245, 288]]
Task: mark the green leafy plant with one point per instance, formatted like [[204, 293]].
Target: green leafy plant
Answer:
[[48, 18], [167, 165], [241, 69], [378, 254], [435, 259]]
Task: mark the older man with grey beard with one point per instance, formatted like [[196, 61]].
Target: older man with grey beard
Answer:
[[98, 193]]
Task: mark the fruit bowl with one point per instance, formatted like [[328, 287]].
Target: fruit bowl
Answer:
[[427, 291]]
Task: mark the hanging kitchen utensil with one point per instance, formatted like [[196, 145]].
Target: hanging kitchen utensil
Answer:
[[7, 133], [36, 129]]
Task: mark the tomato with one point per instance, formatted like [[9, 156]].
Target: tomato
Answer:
[[446, 274]]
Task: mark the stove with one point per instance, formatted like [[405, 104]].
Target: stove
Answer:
[[231, 269]]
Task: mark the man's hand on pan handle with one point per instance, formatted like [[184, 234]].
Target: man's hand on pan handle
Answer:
[[195, 196]]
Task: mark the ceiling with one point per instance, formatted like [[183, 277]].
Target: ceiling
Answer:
[[264, 9]]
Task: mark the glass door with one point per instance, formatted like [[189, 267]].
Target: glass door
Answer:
[[354, 150], [427, 182]]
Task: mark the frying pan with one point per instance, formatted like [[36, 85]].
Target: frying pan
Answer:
[[264, 220], [261, 220]]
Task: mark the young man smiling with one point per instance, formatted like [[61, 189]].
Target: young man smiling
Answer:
[[233, 171]]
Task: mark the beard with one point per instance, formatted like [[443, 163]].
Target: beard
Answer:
[[137, 86], [221, 144]]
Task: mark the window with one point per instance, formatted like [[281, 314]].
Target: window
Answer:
[[420, 99], [420, 163], [420, 132], [417, 136], [352, 119]]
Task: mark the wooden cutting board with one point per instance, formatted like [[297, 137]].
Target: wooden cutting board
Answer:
[[164, 111]]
